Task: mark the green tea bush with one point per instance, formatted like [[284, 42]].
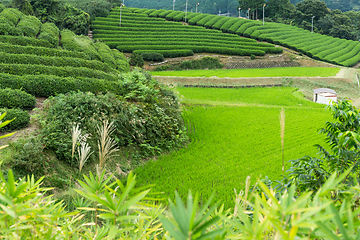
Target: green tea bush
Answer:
[[221, 22], [72, 42], [24, 41], [50, 32], [29, 26], [237, 25], [224, 28], [148, 11], [121, 63], [179, 17], [12, 14], [203, 63], [15, 98], [197, 18], [204, 20], [136, 60], [5, 26], [55, 61], [172, 15], [212, 21], [29, 69], [156, 13], [105, 54], [169, 53], [22, 119], [2, 7], [164, 13], [50, 85], [152, 56]]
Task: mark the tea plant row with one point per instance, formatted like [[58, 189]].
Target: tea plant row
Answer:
[[325, 48], [141, 32]]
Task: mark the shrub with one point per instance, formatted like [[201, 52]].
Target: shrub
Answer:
[[29, 26], [12, 14], [169, 53], [105, 53], [121, 63], [15, 98], [136, 60], [72, 42], [50, 32], [24, 41], [252, 57], [49, 85], [2, 7], [152, 56], [22, 119]]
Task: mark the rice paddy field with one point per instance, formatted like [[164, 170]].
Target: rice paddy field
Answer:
[[235, 133], [260, 72]]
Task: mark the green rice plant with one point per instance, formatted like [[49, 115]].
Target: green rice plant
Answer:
[[232, 131], [261, 72]]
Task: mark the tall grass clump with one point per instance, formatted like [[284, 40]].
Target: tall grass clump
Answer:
[[107, 145], [282, 135]]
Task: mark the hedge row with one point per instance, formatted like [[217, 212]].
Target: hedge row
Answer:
[[41, 51], [200, 43], [29, 26], [194, 48], [24, 41], [16, 98], [21, 119], [151, 56], [195, 19], [72, 42], [156, 13], [236, 25], [168, 53], [225, 27], [134, 18], [172, 15], [221, 22], [165, 13], [106, 54], [49, 85], [212, 21], [179, 17], [190, 35], [165, 27], [28, 69], [55, 61], [135, 24], [121, 63], [50, 32]]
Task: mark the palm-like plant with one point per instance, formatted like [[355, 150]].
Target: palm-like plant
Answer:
[[3, 124]]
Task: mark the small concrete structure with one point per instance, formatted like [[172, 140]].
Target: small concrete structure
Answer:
[[324, 96]]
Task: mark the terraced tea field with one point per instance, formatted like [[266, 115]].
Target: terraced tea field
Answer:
[[236, 136], [258, 72], [146, 29], [141, 32]]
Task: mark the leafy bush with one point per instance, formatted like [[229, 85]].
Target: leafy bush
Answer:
[[72, 42], [152, 56], [49, 85], [29, 26], [2, 7], [136, 60], [252, 57], [146, 116], [203, 63], [54, 61], [22, 119], [15, 98], [50, 32], [40, 51], [76, 72], [24, 41], [169, 53], [121, 63], [12, 14], [105, 54]]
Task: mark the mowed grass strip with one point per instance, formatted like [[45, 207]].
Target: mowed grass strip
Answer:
[[229, 143], [258, 72], [278, 96]]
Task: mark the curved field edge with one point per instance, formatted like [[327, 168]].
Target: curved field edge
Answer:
[[255, 72], [228, 143], [321, 47]]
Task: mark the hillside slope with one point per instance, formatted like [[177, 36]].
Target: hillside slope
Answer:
[[321, 47], [140, 31]]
